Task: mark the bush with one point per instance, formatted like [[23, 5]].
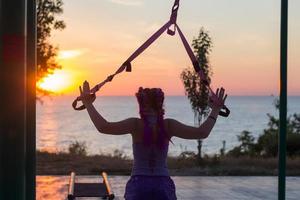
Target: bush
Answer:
[[267, 143], [293, 144], [78, 148], [247, 146], [119, 154], [187, 154]]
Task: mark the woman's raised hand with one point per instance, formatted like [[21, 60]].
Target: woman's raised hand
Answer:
[[85, 93], [217, 100]]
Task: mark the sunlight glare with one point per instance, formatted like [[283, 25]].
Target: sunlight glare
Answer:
[[57, 82]]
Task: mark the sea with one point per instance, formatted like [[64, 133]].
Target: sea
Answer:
[[58, 125]]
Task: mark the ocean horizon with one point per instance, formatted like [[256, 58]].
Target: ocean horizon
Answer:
[[58, 125]]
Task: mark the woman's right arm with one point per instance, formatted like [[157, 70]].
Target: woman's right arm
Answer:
[[114, 128], [189, 132]]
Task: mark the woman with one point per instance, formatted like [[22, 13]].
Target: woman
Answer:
[[151, 135]]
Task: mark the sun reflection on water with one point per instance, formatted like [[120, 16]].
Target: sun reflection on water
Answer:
[[47, 128], [51, 188]]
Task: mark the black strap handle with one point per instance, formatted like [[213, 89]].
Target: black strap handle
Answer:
[[82, 107], [224, 112]]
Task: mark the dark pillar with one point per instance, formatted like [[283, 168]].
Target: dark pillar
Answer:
[[12, 101], [30, 100], [283, 99]]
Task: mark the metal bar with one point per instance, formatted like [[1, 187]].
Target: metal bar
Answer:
[[283, 100], [31, 101], [12, 101], [107, 185], [71, 186]]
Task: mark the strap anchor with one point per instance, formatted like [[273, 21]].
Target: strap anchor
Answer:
[[173, 18]]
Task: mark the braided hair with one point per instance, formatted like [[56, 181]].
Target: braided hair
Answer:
[[153, 98]]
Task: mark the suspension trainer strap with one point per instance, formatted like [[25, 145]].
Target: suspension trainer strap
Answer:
[[146, 44], [225, 111], [192, 56], [126, 65]]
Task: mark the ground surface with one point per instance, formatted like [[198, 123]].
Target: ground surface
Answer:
[[187, 187]]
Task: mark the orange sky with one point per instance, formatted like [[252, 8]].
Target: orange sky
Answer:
[[100, 35]]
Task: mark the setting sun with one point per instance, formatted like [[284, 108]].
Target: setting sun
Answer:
[[57, 82]]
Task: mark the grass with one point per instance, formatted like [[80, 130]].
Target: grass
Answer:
[[62, 163]]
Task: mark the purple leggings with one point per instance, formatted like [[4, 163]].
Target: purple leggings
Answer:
[[150, 188]]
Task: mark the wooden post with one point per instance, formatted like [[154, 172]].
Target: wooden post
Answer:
[[12, 101], [31, 101]]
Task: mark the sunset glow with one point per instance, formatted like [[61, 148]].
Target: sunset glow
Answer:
[[69, 54], [244, 58], [57, 82]]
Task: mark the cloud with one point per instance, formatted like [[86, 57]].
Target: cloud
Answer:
[[128, 2], [67, 54]]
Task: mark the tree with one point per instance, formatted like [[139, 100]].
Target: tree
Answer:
[[196, 91], [247, 146], [267, 143], [47, 11]]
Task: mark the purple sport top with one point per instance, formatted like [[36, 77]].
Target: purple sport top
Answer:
[[149, 160]]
